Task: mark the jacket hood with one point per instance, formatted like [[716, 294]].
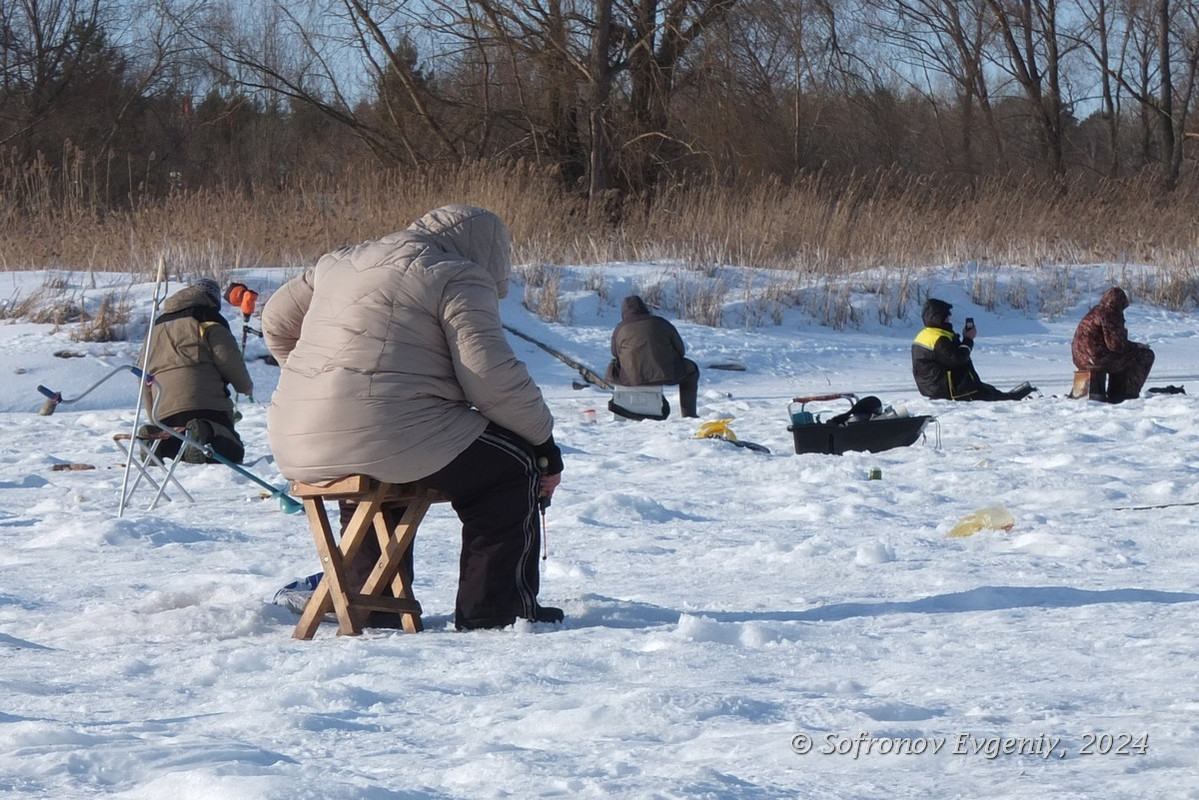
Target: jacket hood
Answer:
[[935, 312], [1114, 298], [189, 297], [475, 234], [633, 306]]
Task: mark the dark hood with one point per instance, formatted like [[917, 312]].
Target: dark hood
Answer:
[[633, 306], [193, 296], [1114, 298], [935, 313]]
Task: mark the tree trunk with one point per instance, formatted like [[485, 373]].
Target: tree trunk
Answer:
[[599, 178]]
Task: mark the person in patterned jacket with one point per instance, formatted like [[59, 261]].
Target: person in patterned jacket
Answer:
[[1101, 344]]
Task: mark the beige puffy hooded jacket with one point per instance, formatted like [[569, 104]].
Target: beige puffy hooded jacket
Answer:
[[393, 354]]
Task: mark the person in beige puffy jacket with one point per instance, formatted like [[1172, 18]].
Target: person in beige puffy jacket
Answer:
[[394, 364]]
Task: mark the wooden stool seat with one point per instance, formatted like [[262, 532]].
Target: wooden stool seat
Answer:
[[388, 586], [1090, 383]]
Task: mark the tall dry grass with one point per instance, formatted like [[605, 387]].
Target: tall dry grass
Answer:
[[815, 229]]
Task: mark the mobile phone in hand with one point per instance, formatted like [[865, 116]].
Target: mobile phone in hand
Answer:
[[969, 324]]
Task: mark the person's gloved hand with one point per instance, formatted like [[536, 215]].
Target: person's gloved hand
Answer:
[[552, 456], [549, 461]]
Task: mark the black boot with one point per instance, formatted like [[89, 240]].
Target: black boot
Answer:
[[541, 614], [199, 430], [548, 614]]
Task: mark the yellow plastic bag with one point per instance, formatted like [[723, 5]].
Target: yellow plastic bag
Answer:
[[716, 429], [995, 518]]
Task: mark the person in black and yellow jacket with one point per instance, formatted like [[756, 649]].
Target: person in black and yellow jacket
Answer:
[[942, 365]]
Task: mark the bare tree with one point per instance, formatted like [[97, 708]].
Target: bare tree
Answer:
[[605, 74], [79, 82], [546, 63], [1177, 31], [345, 58], [600, 79], [45, 53], [1097, 38], [1034, 45], [817, 61], [948, 38], [1162, 41]]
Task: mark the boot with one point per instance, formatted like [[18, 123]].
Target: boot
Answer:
[[688, 402], [689, 391], [541, 614], [227, 444], [201, 431]]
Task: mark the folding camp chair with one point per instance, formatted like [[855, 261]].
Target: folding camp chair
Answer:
[[142, 452]]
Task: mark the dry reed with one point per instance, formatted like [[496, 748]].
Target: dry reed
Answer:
[[818, 228]]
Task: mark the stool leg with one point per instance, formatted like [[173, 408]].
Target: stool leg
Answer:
[[396, 545], [1082, 385], [320, 603], [333, 590], [338, 590]]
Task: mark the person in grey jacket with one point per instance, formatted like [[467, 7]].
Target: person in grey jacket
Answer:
[[648, 351], [394, 364], [194, 359]]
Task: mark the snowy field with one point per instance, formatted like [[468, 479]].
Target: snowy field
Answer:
[[739, 625]]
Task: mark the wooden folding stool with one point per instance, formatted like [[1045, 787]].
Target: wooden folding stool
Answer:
[[142, 452], [1090, 383], [388, 587]]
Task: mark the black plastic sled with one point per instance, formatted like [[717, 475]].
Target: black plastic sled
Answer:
[[867, 426]]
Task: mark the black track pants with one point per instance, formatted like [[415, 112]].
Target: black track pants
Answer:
[[493, 487]]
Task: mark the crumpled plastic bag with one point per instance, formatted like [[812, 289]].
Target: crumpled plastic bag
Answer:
[[995, 518]]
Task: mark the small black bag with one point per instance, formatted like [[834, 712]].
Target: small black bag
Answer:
[[862, 411]]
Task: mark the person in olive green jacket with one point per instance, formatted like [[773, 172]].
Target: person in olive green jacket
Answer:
[[194, 358]]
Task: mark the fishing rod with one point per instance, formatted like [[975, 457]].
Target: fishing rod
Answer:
[[588, 374]]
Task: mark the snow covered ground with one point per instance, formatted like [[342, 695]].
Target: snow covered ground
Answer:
[[739, 625]]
